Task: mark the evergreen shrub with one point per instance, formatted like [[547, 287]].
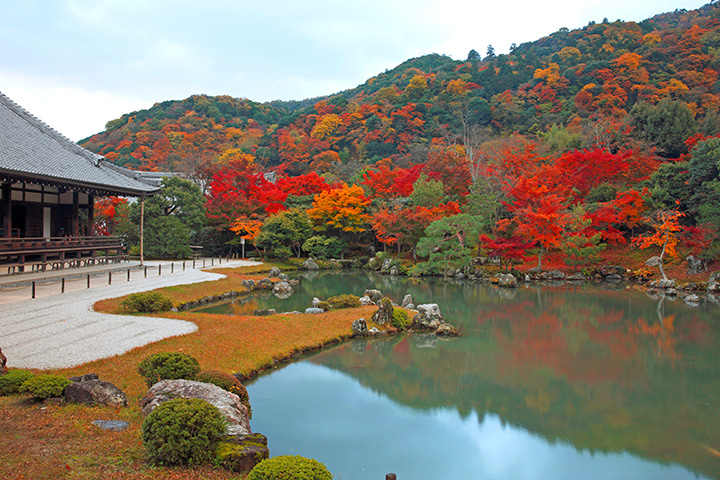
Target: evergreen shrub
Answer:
[[10, 382], [182, 431], [290, 467], [344, 301], [168, 366], [146, 302], [45, 386]]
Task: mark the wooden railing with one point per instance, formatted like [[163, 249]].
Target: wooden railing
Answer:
[[37, 253]]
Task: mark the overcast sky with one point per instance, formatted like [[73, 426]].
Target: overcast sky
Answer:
[[77, 64]]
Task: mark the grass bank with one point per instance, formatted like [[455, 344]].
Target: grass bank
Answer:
[[55, 442]]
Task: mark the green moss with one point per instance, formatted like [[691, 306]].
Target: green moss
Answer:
[[400, 318], [286, 467], [344, 301]]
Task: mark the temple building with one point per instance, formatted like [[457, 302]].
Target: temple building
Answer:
[[48, 186]]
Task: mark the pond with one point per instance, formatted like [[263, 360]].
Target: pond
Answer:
[[546, 383]]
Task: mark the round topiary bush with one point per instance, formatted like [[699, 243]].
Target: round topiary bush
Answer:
[[400, 318], [45, 386], [290, 467], [168, 366], [344, 301], [324, 305], [182, 431], [226, 382], [146, 302], [10, 382]]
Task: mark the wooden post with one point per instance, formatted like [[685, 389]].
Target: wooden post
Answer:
[[62, 285], [33, 290], [91, 215], [390, 476], [159, 270], [172, 267], [142, 229], [109, 278], [183, 265], [76, 214], [88, 280], [128, 274], [7, 210]]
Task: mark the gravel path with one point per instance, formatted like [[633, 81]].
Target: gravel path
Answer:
[[62, 330]]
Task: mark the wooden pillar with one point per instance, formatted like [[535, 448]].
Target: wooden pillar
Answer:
[[7, 210], [91, 214], [142, 229], [76, 215]]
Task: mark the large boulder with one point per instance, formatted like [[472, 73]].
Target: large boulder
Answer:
[[407, 302], [507, 280], [229, 404], [265, 284], [359, 327], [248, 283], [241, 453], [95, 392], [428, 317], [274, 272], [375, 295], [310, 264], [695, 265], [3, 363], [384, 314], [283, 289], [612, 270]]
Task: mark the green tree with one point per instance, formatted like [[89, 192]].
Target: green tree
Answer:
[[427, 192], [448, 242], [284, 232], [666, 125], [171, 218]]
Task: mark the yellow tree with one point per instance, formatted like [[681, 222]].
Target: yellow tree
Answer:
[[666, 226], [344, 209]]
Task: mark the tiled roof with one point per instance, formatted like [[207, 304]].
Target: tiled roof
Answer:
[[32, 151]]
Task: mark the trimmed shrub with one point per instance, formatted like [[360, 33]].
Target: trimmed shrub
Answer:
[[290, 467], [324, 305], [226, 382], [182, 431], [168, 366], [10, 382], [344, 301], [45, 386], [400, 318], [146, 302]]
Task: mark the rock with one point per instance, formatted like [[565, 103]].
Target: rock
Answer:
[[365, 300], [283, 287], [3, 363], [375, 295], [608, 270], [359, 327], [241, 453], [653, 261], [407, 300], [384, 314], [274, 272], [113, 425], [671, 292], [314, 310], [714, 277], [713, 287], [95, 392], [428, 317], [447, 330], [264, 312], [85, 378], [576, 277], [387, 265], [374, 331], [315, 302], [249, 284], [507, 280], [613, 278], [229, 404], [293, 282], [310, 264], [265, 284], [555, 275], [692, 299], [666, 283], [394, 270], [284, 277], [695, 265]]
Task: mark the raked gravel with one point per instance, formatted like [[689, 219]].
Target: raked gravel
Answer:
[[63, 330]]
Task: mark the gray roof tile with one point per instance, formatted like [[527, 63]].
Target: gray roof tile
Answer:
[[32, 150]]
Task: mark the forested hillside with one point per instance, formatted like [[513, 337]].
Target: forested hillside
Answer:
[[577, 140]]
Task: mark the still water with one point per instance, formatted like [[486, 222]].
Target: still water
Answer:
[[546, 383]]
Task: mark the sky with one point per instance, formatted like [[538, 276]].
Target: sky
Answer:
[[77, 64]]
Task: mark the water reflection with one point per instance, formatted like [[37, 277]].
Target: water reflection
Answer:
[[361, 434], [572, 381]]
